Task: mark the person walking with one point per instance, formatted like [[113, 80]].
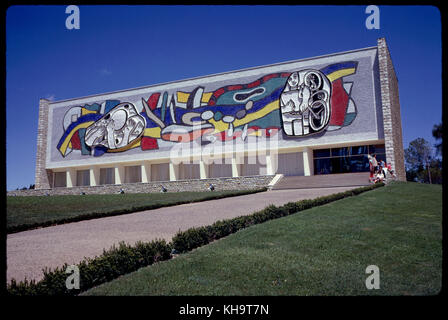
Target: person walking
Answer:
[[375, 163], [383, 168], [371, 168]]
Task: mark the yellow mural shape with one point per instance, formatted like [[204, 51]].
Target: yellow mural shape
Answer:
[[85, 111], [152, 132], [340, 73], [67, 141], [182, 97]]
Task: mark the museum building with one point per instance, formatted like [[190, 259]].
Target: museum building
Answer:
[[315, 116]]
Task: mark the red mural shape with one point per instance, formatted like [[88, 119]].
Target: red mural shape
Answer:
[[148, 143], [76, 142], [339, 101]]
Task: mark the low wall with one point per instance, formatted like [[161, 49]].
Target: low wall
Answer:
[[236, 183]]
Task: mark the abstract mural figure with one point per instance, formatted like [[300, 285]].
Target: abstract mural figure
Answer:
[[116, 129], [225, 114], [305, 103], [299, 103]]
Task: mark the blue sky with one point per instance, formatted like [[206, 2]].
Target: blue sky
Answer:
[[121, 47]]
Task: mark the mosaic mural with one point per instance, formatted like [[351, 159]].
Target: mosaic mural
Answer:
[[294, 104]]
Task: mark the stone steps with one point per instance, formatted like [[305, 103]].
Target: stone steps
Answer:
[[323, 181]]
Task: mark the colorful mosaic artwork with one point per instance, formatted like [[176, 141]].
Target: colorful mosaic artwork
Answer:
[[295, 104]]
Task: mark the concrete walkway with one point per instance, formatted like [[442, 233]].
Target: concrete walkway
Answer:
[[29, 252]]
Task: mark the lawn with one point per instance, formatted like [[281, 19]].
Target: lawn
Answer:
[[27, 212], [321, 251]]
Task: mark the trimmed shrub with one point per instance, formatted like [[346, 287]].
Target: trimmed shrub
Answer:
[[194, 237], [111, 264]]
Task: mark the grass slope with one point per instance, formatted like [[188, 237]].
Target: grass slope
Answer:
[[320, 251], [29, 212]]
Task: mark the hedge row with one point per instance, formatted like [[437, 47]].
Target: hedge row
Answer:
[[96, 215], [110, 265], [192, 238], [125, 259]]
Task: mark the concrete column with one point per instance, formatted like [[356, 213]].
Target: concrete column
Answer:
[[236, 166], [174, 171], [308, 163], [204, 169], [94, 176], [146, 172], [271, 163], [71, 178], [119, 175]]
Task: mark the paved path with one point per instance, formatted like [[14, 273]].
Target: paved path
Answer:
[[29, 252]]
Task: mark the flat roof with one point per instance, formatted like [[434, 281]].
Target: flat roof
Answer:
[[214, 74]]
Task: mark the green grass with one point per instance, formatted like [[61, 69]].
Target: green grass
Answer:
[[25, 213], [320, 251]]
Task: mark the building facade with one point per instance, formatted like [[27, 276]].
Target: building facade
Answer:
[[315, 116]]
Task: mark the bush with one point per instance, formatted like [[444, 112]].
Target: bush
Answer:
[[111, 264]]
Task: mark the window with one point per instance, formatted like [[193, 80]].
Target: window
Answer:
[[217, 170], [83, 178], [321, 153], [290, 164], [322, 166], [377, 149], [251, 166], [359, 150], [346, 159], [160, 172], [60, 179], [189, 171], [340, 152], [359, 164], [132, 174], [107, 176]]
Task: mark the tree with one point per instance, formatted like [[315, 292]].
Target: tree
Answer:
[[436, 171], [418, 156], [437, 134]]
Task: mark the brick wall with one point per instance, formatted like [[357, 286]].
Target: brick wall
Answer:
[[391, 111], [238, 183]]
